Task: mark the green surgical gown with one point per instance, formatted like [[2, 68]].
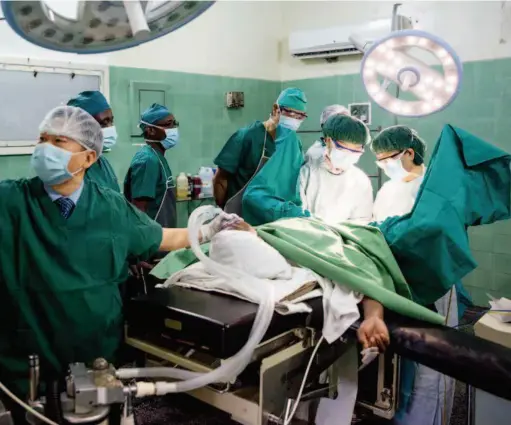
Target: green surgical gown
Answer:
[[102, 173], [274, 193], [59, 279], [147, 178], [468, 183], [241, 155]]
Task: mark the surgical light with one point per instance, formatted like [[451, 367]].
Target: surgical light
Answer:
[[87, 26], [391, 60]]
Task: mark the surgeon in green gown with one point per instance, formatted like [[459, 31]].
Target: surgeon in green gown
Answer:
[[149, 184], [64, 245], [96, 105], [250, 147], [426, 395]]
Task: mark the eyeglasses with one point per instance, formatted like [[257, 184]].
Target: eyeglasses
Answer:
[[293, 114], [339, 146], [396, 155], [171, 124]]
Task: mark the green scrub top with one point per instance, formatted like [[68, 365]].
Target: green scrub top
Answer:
[[147, 178], [102, 173], [241, 154], [59, 279]]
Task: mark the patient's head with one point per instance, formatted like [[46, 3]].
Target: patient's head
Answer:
[[247, 252]]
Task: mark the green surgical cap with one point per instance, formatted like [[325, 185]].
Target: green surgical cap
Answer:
[[92, 102], [399, 138], [343, 128], [293, 98]]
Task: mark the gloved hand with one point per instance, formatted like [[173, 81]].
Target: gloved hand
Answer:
[[221, 222]]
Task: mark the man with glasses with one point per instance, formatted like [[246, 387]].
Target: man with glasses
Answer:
[[332, 187], [249, 148], [148, 183]]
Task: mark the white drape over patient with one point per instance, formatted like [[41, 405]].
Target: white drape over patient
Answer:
[[291, 285]]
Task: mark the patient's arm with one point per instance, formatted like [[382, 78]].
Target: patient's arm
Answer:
[[373, 332]]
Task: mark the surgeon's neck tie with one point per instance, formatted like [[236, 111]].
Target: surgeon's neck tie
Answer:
[[66, 206]]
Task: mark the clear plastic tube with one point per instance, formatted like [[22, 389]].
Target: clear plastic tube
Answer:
[[243, 283]]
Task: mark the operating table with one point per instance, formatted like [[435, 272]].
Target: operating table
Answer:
[[197, 330]]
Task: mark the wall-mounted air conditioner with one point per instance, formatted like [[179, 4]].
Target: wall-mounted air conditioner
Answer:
[[334, 42]]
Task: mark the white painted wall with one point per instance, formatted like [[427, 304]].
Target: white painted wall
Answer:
[[477, 30], [249, 38], [234, 38]]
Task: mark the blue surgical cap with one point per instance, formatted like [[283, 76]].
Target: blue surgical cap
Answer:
[[92, 102], [293, 98], [153, 114]]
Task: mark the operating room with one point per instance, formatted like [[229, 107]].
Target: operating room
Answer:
[[255, 212]]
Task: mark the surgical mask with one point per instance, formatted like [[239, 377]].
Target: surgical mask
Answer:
[[171, 135], [50, 164], [171, 138], [393, 168], [109, 137], [344, 159], [290, 123]]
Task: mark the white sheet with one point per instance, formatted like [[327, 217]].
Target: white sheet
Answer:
[[339, 303], [196, 277]]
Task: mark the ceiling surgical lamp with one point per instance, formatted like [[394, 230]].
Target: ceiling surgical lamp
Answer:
[[390, 60], [98, 26]]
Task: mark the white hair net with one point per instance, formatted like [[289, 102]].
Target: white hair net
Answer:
[[76, 124], [332, 110]]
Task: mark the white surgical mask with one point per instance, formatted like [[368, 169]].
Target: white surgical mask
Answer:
[[344, 159], [393, 168], [109, 137], [290, 123]]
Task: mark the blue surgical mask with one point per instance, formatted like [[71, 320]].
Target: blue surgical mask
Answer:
[[50, 164], [171, 138], [109, 137], [290, 123]]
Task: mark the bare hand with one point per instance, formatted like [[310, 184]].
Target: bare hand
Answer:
[[373, 332]]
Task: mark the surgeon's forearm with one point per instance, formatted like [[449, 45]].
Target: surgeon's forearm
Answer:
[[174, 239], [372, 308], [220, 182]]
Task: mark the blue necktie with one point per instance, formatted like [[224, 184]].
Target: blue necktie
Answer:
[[66, 206]]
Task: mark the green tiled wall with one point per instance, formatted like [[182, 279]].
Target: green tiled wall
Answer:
[[482, 108], [199, 105]]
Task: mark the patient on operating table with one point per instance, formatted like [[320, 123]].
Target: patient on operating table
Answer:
[[242, 249]]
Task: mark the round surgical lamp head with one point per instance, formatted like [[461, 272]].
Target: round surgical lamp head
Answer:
[[98, 26], [390, 60]]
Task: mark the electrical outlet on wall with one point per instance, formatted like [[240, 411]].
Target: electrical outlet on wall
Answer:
[[235, 99]]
